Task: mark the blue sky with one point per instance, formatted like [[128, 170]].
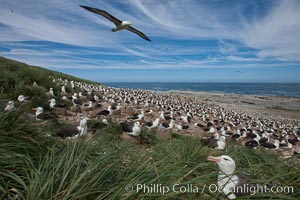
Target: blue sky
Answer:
[[192, 40]]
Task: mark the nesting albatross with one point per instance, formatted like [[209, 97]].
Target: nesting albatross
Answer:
[[235, 185], [72, 131], [41, 115], [120, 25]]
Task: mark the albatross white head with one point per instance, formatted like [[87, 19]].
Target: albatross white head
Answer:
[[9, 106], [126, 23], [38, 110], [51, 91], [226, 164], [221, 143], [21, 98], [137, 128], [52, 103]]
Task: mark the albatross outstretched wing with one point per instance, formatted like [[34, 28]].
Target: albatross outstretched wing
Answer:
[[139, 33], [103, 13]]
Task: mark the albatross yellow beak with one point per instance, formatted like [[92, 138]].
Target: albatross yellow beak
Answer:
[[214, 159]]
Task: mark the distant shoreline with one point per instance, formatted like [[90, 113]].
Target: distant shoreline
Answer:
[[226, 94], [288, 90]]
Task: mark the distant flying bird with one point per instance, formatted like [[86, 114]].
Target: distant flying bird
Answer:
[[120, 25], [238, 72]]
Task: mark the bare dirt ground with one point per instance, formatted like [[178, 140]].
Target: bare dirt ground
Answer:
[[284, 107]]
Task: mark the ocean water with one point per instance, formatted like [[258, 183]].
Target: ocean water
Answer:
[[262, 89]]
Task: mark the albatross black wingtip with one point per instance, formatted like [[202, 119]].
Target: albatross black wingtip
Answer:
[[146, 38], [82, 6]]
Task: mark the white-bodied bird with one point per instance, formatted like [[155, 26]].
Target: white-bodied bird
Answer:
[[120, 25]]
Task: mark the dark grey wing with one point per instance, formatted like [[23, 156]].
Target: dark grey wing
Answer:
[[245, 185], [211, 142], [127, 126], [103, 13], [142, 35]]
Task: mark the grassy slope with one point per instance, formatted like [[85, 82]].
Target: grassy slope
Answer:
[[34, 166], [17, 78]]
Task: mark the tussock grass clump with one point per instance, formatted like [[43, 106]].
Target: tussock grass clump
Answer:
[[148, 136], [113, 128], [71, 173], [20, 144]]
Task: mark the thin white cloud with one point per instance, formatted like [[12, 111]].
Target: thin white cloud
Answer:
[[242, 59], [227, 48], [277, 34]]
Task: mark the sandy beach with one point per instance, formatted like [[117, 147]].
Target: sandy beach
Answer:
[[268, 106]]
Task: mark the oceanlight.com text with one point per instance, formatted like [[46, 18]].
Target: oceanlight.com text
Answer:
[[253, 189], [211, 188]]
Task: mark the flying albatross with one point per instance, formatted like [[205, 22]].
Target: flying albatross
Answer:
[[120, 25]]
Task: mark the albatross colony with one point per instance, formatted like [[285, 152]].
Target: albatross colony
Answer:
[[166, 113]]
